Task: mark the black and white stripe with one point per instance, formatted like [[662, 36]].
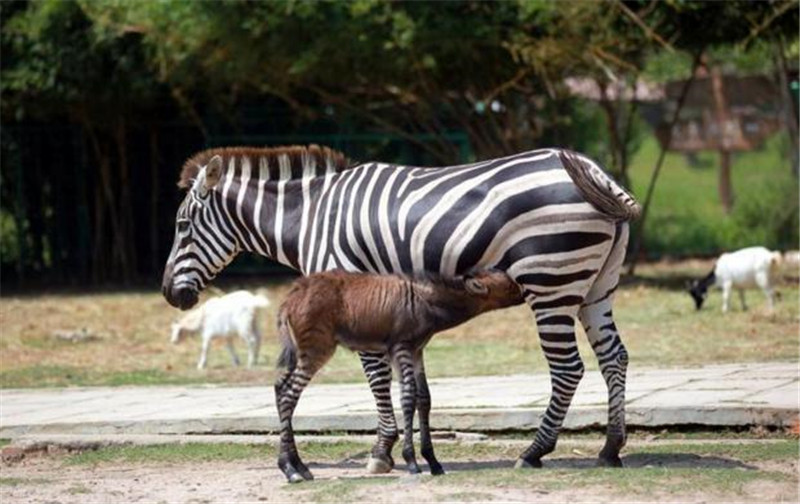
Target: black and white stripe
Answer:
[[552, 220]]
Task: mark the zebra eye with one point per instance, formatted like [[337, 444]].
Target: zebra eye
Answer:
[[183, 225]]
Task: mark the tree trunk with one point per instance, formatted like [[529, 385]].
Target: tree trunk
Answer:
[[725, 187], [154, 193], [639, 239], [126, 233], [721, 108], [789, 116]]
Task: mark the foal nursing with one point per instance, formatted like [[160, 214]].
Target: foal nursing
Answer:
[[391, 314]]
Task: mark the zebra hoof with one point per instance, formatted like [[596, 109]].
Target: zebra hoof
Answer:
[[609, 461], [526, 464], [378, 466]]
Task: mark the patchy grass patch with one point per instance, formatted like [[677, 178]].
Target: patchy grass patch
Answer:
[[340, 490], [633, 482], [779, 450], [171, 453], [656, 319], [15, 482], [216, 452]]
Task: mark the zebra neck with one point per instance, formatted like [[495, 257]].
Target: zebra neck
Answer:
[[270, 217]]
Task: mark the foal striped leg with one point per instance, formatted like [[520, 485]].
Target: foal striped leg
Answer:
[[424, 410], [288, 387], [378, 370], [404, 359]]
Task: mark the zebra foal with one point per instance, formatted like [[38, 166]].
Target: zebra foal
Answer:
[[551, 219], [388, 314]]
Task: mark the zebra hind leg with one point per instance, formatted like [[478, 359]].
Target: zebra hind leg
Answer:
[[598, 322], [378, 370], [613, 361], [557, 337]]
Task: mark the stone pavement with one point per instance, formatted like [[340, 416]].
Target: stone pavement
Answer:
[[720, 395]]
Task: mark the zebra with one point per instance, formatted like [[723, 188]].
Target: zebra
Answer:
[[550, 218]]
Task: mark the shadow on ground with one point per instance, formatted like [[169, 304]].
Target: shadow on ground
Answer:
[[633, 461]]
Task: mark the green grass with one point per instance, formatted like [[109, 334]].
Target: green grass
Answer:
[[782, 450], [632, 482], [686, 216], [656, 319], [171, 453], [221, 452], [339, 490], [63, 376], [15, 482]]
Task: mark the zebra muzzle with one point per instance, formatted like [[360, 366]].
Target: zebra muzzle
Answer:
[[181, 297]]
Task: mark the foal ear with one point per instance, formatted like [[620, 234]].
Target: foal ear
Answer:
[[475, 286], [213, 172]]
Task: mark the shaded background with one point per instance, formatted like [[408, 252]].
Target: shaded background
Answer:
[[102, 101]]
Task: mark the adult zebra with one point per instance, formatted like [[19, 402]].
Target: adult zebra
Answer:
[[552, 219]]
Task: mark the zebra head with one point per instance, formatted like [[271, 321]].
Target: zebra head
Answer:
[[203, 243]]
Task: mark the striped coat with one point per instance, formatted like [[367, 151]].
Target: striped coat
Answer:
[[551, 219]]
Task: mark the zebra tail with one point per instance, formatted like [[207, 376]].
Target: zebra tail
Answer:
[[599, 189], [288, 355]]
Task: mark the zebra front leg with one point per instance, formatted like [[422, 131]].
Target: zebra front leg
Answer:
[[612, 358], [402, 356], [377, 368], [424, 409], [557, 337]]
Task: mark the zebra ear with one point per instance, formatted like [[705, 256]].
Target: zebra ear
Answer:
[[475, 286], [213, 172]]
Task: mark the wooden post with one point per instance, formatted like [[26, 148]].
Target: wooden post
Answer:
[[721, 108]]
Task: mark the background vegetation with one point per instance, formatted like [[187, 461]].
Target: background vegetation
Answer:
[[102, 100]]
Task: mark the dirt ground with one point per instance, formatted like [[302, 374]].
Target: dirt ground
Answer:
[[646, 478]]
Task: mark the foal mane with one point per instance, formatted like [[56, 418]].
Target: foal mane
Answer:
[[300, 160]]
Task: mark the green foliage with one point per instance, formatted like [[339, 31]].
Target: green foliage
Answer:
[[57, 66], [686, 216], [420, 71]]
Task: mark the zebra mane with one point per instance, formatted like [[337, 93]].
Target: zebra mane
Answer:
[[297, 160]]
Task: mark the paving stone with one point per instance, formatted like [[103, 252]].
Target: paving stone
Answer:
[[731, 394]]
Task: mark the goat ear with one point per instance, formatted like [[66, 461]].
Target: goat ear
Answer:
[[475, 286], [213, 172]]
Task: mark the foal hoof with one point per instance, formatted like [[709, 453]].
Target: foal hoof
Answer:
[[295, 478], [378, 466], [525, 464], [609, 461], [413, 468]]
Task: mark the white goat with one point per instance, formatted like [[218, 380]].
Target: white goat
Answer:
[[223, 318], [745, 268]]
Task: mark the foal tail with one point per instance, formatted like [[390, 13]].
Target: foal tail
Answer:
[[288, 356], [598, 188]]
